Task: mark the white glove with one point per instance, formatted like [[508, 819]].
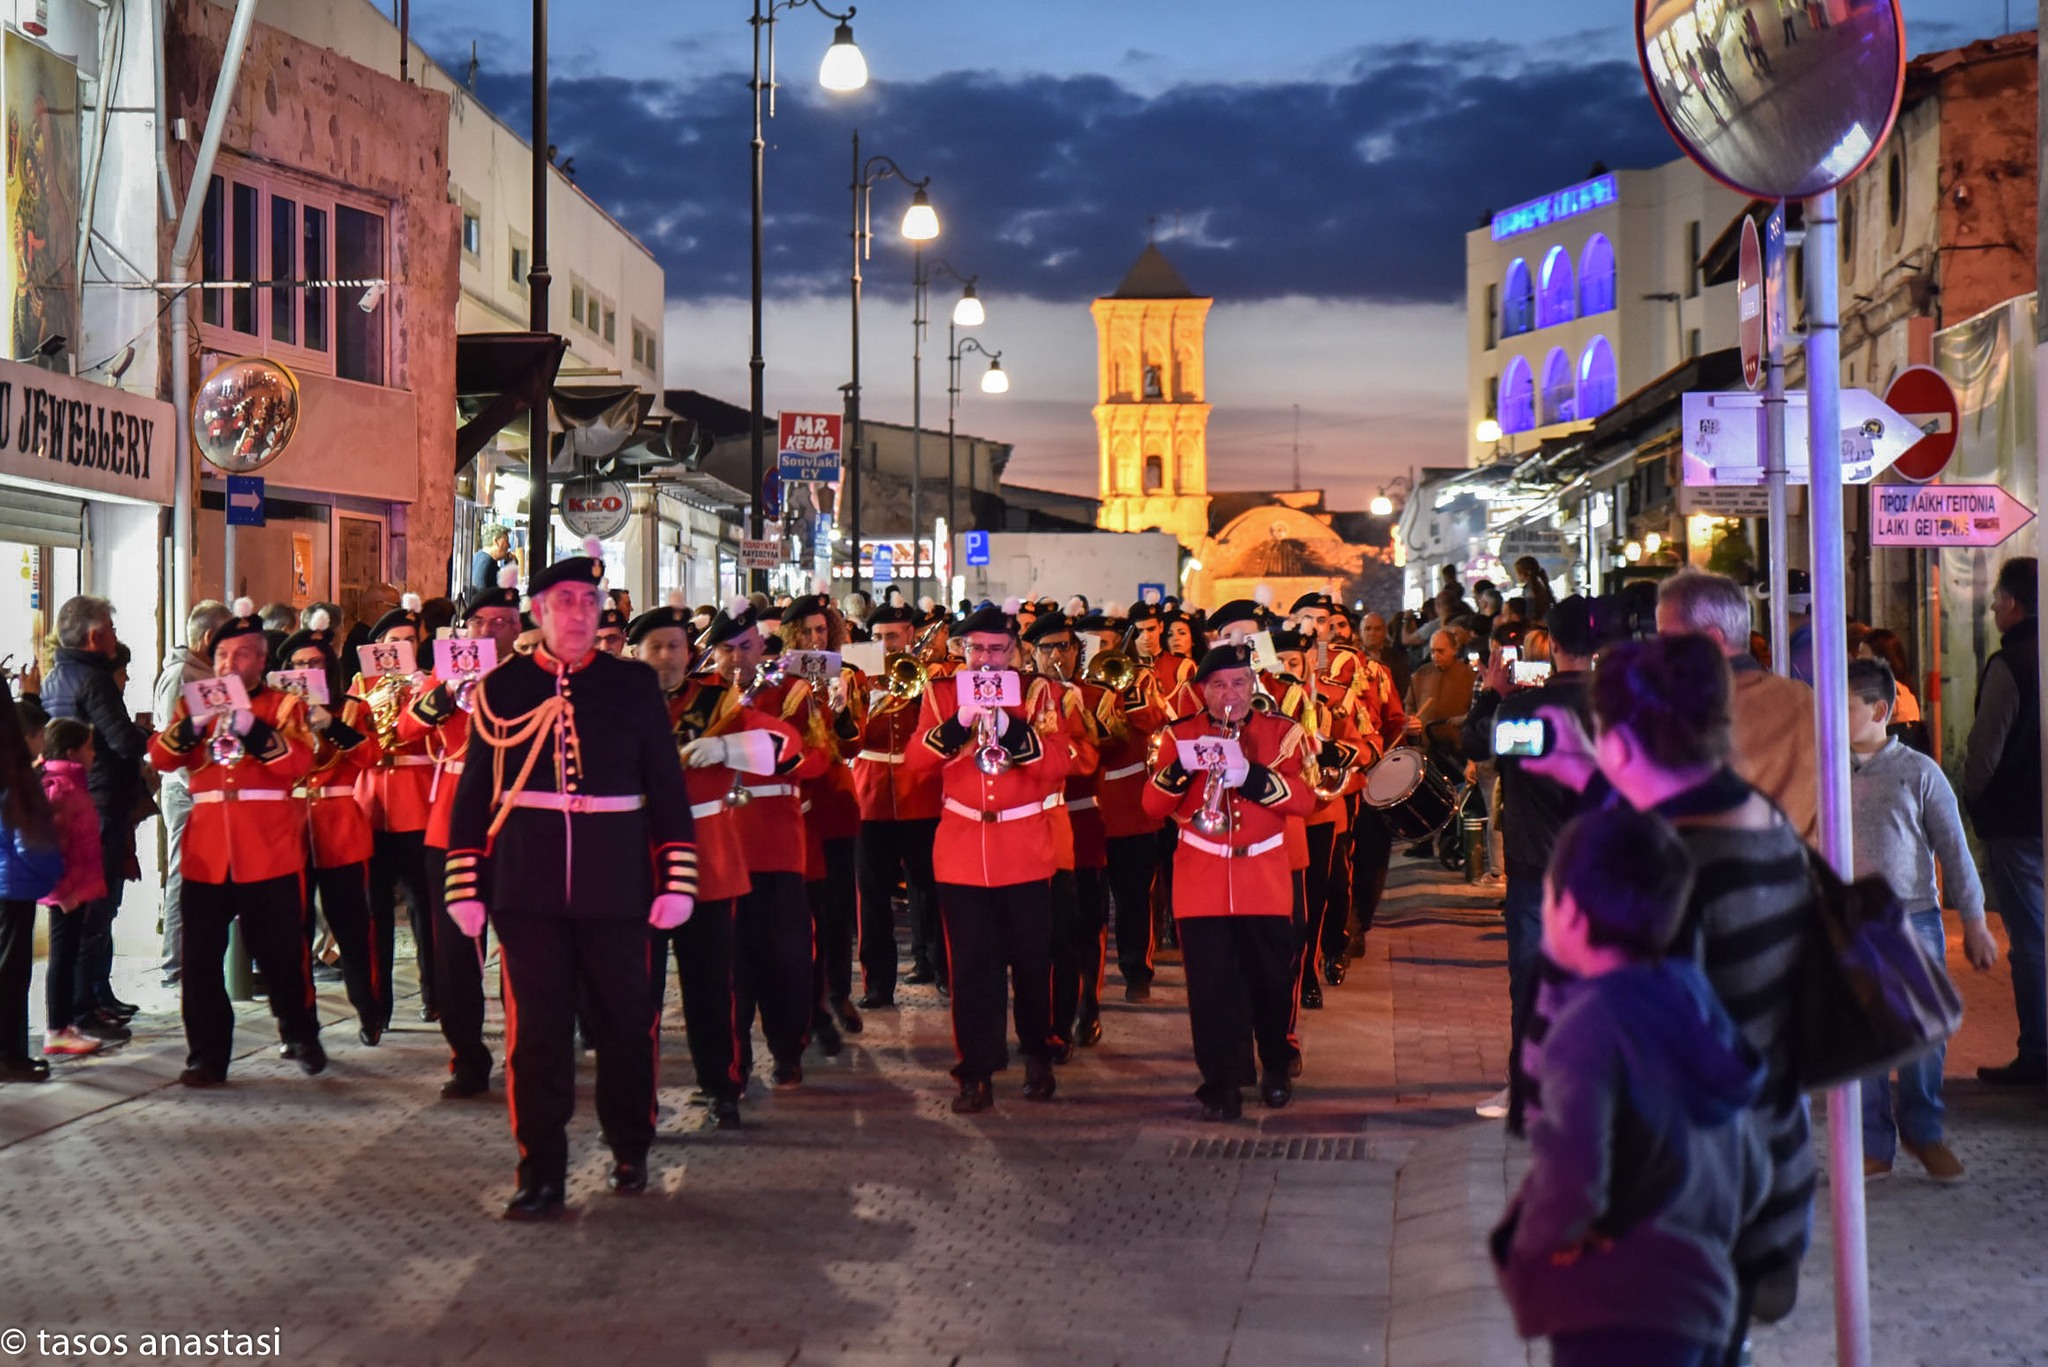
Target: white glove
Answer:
[[705, 752], [468, 917], [670, 910], [242, 721], [971, 715], [319, 717], [751, 752], [1236, 771]]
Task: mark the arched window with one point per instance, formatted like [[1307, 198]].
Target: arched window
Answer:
[[1155, 473], [1152, 386], [1596, 276], [1558, 390], [1597, 381], [1517, 397], [1558, 299], [1517, 300]]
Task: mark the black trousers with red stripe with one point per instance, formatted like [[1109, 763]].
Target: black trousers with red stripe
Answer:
[[1132, 859], [1322, 847], [703, 948], [835, 910], [458, 981], [889, 851], [1372, 851], [344, 894], [771, 968], [273, 917], [555, 968], [398, 863], [1240, 972], [994, 935], [1080, 917]]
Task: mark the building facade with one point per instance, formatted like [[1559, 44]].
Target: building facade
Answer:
[[1151, 410]]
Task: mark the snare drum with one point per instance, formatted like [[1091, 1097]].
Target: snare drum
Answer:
[[1410, 794]]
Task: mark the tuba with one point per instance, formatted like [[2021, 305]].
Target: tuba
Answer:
[[1113, 670], [1214, 817]]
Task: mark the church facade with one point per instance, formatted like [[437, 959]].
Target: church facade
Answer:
[[1151, 410]]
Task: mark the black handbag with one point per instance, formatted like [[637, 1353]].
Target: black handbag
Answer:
[[1869, 995]]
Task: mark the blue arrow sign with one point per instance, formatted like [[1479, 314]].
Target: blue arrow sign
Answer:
[[245, 500], [977, 548]]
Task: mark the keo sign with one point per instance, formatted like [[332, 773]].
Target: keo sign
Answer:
[[595, 507], [809, 446]]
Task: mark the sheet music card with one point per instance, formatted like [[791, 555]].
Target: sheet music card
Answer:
[[206, 699]]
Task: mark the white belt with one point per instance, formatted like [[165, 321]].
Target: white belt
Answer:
[[989, 818], [1055, 800], [408, 761], [1188, 838], [700, 810], [772, 790], [453, 766], [319, 794], [879, 757], [242, 795], [576, 802], [1080, 804], [1128, 771]]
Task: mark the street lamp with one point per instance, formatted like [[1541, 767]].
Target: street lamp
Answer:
[[966, 313], [994, 381], [1382, 504], [843, 69], [920, 224]]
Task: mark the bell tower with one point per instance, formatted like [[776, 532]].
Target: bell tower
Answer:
[[1151, 414]]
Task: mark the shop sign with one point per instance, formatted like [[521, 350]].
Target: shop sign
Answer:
[[84, 437], [1944, 515], [808, 447], [764, 554], [596, 507]]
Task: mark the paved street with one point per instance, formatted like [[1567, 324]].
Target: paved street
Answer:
[[858, 1221]]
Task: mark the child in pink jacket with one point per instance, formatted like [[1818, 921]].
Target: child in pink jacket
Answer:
[[67, 757]]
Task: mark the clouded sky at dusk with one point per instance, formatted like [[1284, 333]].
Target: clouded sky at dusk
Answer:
[[1314, 166]]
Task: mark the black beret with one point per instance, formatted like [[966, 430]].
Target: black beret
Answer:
[[246, 622], [611, 619], [406, 614], [1051, 624], [655, 619], [1311, 600], [575, 569], [892, 614], [734, 620], [497, 597], [1223, 657], [988, 617], [1285, 639], [1235, 611]]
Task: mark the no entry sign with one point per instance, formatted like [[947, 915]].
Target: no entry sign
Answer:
[[1749, 304], [1922, 396]]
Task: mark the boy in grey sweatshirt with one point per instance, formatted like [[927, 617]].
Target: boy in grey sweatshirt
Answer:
[[1906, 821]]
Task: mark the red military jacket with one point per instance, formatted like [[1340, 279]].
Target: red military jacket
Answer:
[[1172, 681], [1078, 729], [398, 791], [1339, 735], [887, 786], [336, 825], [433, 719], [1084, 804], [831, 807], [244, 827], [771, 825], [1121, 776], [994, 830], [1243, 870], [706, 706]]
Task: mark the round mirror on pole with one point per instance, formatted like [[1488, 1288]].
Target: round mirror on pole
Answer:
[[245, 414], [1777, 101]]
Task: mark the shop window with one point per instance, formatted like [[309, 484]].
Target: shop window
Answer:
[[1598, 383], [1518, 304], [1596, 276], [1556, 301], [1517, 397], [277, 233], [1558, 389]]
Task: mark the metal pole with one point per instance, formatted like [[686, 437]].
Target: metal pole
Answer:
[[1831, 731], [853, 438], [952, 409], [540, 506], [2041, 371], [917, 291], [756, 365], [1780, 530]]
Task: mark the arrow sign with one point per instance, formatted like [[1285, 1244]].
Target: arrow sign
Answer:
[[245, 501], [1723, 437], [1944, 515]]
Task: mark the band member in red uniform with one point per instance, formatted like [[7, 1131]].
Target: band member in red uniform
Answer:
[[397, 794], [698, 707], [338, 830], [572, 829], [1080, 898], [772, 966], [994, 858], [439, 714], [1233, 889], [244, 854], [1320, 707], [1133, 838], [899, 816], [831, 823]]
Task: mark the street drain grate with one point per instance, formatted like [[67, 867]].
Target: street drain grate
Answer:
[[1300, 1149]]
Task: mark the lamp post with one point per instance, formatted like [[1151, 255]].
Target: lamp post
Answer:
[[995, 380], [920, 224], [540, 516], [843, 69], [967, 313]]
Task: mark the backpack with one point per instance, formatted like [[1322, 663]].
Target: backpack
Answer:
[[1869, 996]]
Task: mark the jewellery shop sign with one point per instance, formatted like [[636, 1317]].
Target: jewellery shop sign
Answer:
[[90, 438]]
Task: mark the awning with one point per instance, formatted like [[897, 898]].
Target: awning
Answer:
[[499, 377]]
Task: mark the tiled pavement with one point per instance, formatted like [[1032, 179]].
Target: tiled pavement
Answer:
[[858, 1221]]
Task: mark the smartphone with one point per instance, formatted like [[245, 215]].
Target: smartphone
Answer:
[[1510, 654], [1521, 738], [1526, 673]]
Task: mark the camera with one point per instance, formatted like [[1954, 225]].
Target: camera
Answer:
[[1522, 738]]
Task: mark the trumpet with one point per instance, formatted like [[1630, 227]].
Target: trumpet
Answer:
[[989, 755], [766, 674], [224, 747], [1214, 818], [465, 692]]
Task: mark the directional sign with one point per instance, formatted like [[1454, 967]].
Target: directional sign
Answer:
[[1723, 437], [885, 565], [977, 547], [245, 500], [1944, 515], [809, 446], [1777, 319], [1749, 304], [1923, 397], [764, 554]]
